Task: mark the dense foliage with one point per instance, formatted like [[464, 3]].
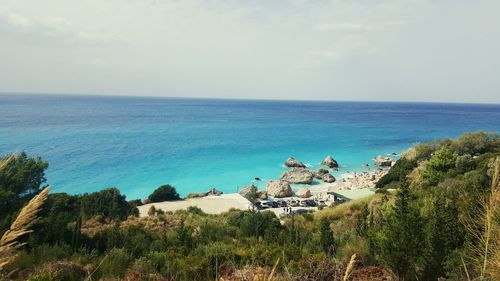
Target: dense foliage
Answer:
[[164, 193], [20, 180], [421, 231]]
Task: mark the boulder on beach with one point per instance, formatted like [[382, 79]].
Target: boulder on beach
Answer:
[[261, 194], [279, 188], [249, 192], [303, 193], [298, 175], [330, 162], [196, 194], [328, 178], [214, 191], [292, 163], [382, 161], [319, 173]]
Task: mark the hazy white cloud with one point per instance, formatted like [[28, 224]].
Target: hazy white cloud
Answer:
[[54, 30], [356, 26], [330, 49]]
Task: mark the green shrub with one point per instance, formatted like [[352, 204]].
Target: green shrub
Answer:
[[476, 143], [443, 160], [164, 193], [252, 223], [59, 271], [115, 263], [400, 170], [109, 203]]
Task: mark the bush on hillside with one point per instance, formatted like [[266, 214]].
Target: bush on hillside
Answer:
[[164, 193], [441, 162], [109, 203], [400, 170], [476, 143]]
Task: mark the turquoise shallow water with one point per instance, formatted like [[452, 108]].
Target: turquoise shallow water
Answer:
[[137, 144]]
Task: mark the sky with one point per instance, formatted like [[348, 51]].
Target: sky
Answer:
[[370, 50]]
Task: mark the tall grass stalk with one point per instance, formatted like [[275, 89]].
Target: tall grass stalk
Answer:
[[483, 226], [350, 267], [271, 275], [9, 243]]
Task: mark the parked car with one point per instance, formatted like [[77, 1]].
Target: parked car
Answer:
[[294, 203], [311, 203], [275, 204], [258, 205], [303, 203], [266, 204], [282, 203], [321, 203]]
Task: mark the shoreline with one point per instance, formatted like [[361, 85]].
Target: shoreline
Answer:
[[350, 185]]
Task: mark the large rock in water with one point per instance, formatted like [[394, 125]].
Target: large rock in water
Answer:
[[303, 193], [278, 188], [330, 162], [319, 173], [298, 175], [382, 161], [249, 192], [292, 163], [328, 178]]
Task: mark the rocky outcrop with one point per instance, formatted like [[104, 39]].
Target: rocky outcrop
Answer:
[[303, 193], [382, 161], [211, 191], [330, 162], [214, 191], [361, 180], [328, 178], [261, 194], [249, 192], [292, 163], [319, 173], [298, 175], [279, 188]]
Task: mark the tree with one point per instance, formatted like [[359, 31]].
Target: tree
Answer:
[[326, 237], [184, 236], [108, 203], [446, 235], [164, 193], [443, 160], [59, 212], [20, 180], [402, 243], [401, 169]]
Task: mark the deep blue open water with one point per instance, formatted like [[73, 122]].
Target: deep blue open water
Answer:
[[138, 144]]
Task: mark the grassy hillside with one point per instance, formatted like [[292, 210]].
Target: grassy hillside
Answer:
[[436, 215]]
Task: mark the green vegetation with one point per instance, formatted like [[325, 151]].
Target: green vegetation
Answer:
[[438, 217], [164, 193], [20, 180]]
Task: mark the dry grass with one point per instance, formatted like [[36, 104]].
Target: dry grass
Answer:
[[410, 153], [350, 267], [24, 221], [271, 275], [4, 162], [484, 226], [347, 208]]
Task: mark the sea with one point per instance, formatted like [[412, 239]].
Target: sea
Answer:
[[140, 143]]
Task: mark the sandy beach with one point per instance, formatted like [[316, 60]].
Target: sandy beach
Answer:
[[209, 204], [350, 185]]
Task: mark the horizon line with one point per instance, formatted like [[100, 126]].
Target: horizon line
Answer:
[[239, 99]]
